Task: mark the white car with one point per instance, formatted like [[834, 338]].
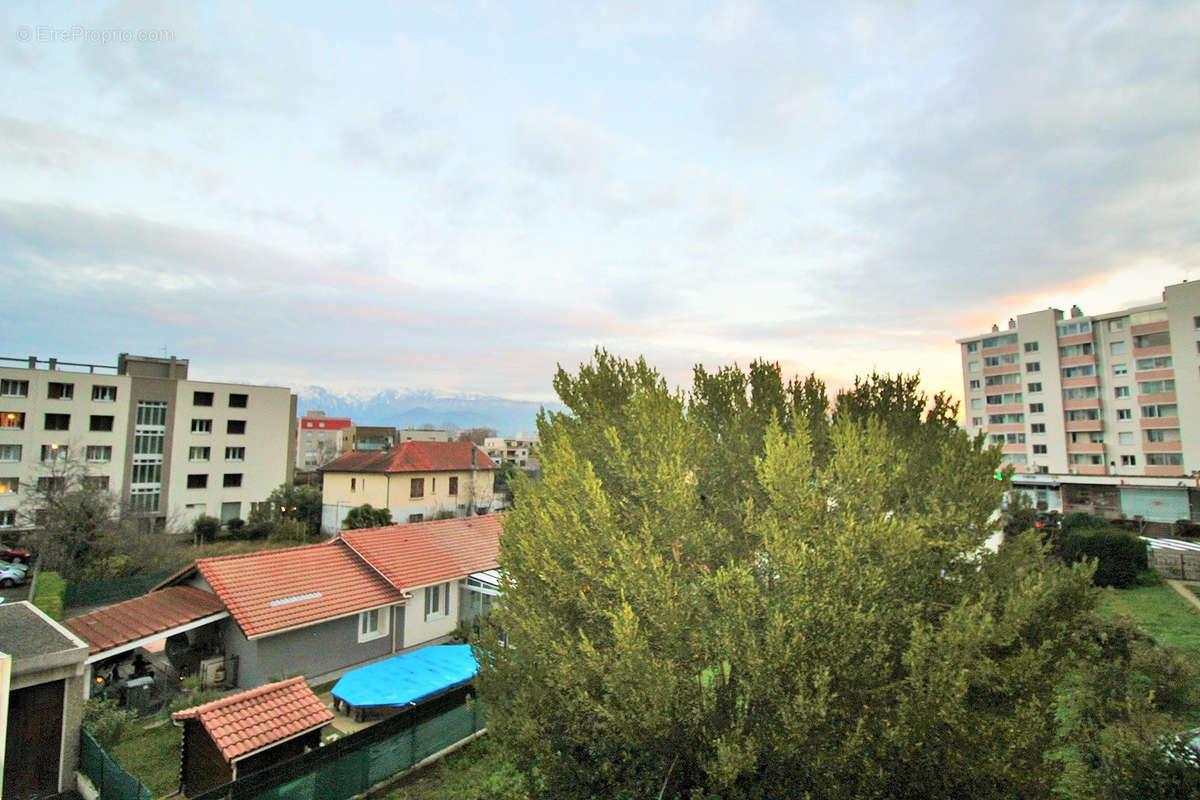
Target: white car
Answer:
[[11, 577]]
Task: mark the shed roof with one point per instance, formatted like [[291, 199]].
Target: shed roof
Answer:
[[414, 456], [144, 616], [247, 722], [424, 553]]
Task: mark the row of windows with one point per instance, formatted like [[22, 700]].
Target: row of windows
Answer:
[[230, 480], [416, 487], [199, 454], [206, 399], [55, 483], [56, 390], [56, 422], [233, 426]]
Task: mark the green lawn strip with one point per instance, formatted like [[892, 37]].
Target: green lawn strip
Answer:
[[458, 776], [152, 756], [1160, 612]]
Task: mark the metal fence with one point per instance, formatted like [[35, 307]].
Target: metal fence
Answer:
[[109, 778], [353, 764]]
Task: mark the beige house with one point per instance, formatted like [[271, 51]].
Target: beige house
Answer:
[[414, 480]]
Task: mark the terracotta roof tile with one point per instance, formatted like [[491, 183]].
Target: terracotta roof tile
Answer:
[[413, 457], [424, 553], [143, 616], [246, 722], [274, 590]]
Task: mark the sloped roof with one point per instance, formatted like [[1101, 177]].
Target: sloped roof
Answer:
[[413, 457], [247, 722], [274, 590], [143, 616], [424, 553]]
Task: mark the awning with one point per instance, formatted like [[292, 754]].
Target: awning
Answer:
[[129, 625], [409, 678]]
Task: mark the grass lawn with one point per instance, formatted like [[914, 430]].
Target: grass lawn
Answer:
[[1160, 612], [152, 756], [458, 776]]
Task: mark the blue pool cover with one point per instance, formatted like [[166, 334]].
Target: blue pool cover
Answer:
[[408, 678]]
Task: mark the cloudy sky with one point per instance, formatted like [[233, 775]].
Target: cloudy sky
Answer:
[[460, 195]]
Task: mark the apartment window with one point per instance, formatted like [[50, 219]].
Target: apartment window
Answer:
[[1162, 435], [1124, 437], [976, 421], [1086, 459], [98, 453], [51, 483], [10, 453], [1160, 411], [9, 485], [8, 519], [1039, 449], [1004, 399], [13, 388], [1033, 366], [416, 517], [975, 383], [1074, 328], [999, 341], [202, 426], [1124, 413], [196, 481], [104, 394], [1158, 339], [238, 400], [235, 426], [454, 487], [1119, 348], [100, 422], [1196, 322], [972, 366], [1156, 387], [233, 480], [54, 452], [151, 414], [1073, 350], [976, 402], [1083, 415], [144, 499], [373, 624], [1002, 380], [1031, 347], [973, 347], [1120, 369], [58, 422], [1164, 459], [96, 483], [202, 398], [1116, 324], [992, 361], [417, 488], [1037, 408], [1037, 427], [1081, 371], [1128, 461], [353, 484], [1120, 391], [1155, 362], [60, 391], [1081, 393], [231, 510], [146, 473], [12, 419], [437, 601], [1005, 419], [199, 453], [235, 454], [1033, 388]]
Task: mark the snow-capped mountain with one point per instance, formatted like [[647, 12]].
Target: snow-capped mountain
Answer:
[[414, 408]]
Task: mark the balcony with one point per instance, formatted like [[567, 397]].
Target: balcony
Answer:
[[1165, 471], [1078, 338], [1003, 369], [1076, 383], [1075, 361], [998, 351], [1159, 422], [1085, 447], [1085, 402], [1085, 425], [1143, 352], [1007, 408], [1014, 449], [1162, 447], [1154, 374], [1088, 469], [1155, 399], [1149, 327], [1016, 427]]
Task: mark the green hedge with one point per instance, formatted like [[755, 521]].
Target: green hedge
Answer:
[[48, 594], [1120, 555]]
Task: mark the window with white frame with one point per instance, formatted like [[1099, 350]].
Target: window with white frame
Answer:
[[99, 453], [437, 601], [104, 394], [14, 388], [10, 453], [374, 624], [199, 453]]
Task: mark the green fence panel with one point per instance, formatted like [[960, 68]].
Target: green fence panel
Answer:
[[110, 780], [113, 590], [390, 756]]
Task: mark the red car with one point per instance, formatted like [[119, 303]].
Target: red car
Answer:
[[15, 554]]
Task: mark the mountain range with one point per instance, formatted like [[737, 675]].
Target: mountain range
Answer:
[[416, 408]]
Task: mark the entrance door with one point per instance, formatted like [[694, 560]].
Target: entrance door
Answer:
[[34, 741]]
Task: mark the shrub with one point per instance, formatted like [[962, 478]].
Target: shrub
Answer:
[[105, 721], [1081, 520], [366, 516], [235, 527], [290, 530], [444, 514], [48, 594], [1121, 556], [1187, 529], [196, 698], [205, 528]]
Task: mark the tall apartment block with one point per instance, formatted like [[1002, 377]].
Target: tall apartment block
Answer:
[[1098, 413], [172, 448]]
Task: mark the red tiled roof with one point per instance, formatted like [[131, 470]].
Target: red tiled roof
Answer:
[[413, 457], [246, 722], [424, 553], [143, 616], [274, 590]]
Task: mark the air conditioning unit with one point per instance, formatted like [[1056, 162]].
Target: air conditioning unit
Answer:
[[212, 671]]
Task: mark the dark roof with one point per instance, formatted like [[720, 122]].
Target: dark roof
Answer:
[[143, 616], [25, 634], [414, 457], [423, 553]]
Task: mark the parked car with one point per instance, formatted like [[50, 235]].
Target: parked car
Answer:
[[11, 577], [16, 566], [15, 554]]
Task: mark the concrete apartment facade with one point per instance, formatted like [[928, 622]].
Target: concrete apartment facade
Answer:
[[320, 439], [1108, 402], [519, 450], [171, 447]]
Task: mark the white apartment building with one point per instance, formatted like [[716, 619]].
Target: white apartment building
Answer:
[[1106, 400], [172, 448], [519, 450]]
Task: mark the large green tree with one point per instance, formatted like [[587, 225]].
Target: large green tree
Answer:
[[735, 592]]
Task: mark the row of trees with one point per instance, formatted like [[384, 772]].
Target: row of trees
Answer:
[[747, 590]]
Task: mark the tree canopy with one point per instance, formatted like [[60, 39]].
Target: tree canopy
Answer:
[[746, 590]]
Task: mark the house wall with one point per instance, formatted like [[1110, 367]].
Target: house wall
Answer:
[[417, 630], [204, 765], [394, 492]]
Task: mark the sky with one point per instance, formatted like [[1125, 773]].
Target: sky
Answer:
[[461, 196]]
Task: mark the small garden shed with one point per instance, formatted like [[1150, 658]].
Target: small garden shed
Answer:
[[248, 731]]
